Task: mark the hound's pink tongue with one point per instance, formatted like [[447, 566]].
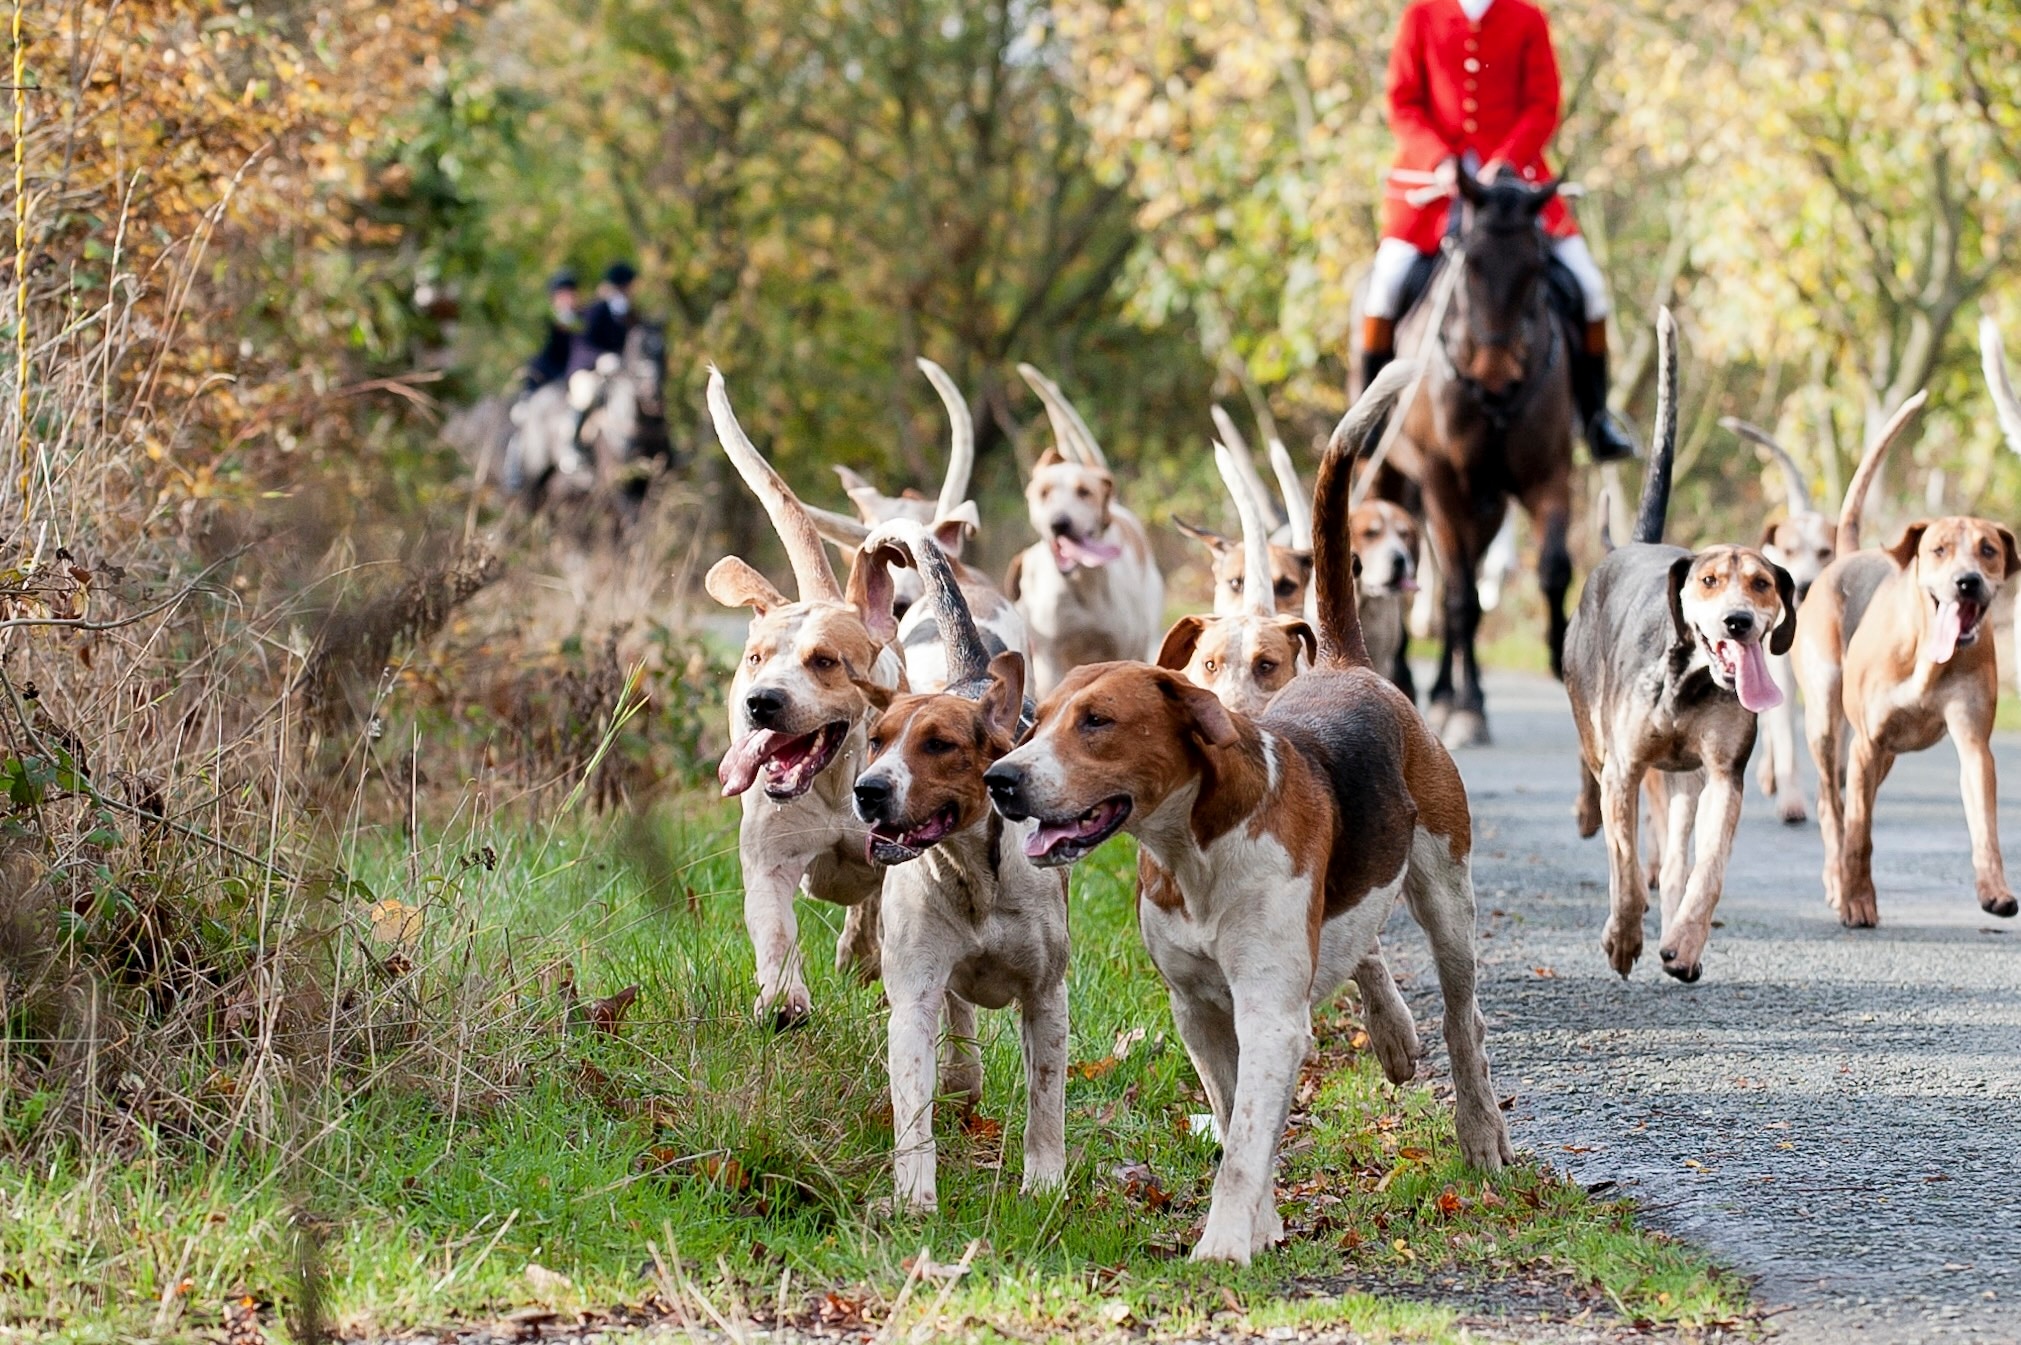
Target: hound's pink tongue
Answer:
[[744, 760], [1751, 682], [1950, 624], [1094, 553], [1048, 834]]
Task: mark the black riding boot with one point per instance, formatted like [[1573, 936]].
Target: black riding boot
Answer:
[[1606, 440], [1374, 362]]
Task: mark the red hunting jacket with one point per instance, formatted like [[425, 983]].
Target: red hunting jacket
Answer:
[[1456, 85]]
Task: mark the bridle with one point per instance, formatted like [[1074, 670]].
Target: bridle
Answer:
[[1500, 409]]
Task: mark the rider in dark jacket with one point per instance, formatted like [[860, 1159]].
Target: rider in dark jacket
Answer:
[[564, 324], [608, 321]]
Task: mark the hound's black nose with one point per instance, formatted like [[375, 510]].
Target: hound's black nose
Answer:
[[1062, 525], [1972, 587], [1006, 786], [764, 706], [873, 796], [1739, 623], [1399, 571]]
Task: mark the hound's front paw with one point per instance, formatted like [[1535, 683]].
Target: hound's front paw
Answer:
[[1683, 952], [1222, 1243], [1623, 944], [1997, 901], [787, 1008], [1484, 1142]]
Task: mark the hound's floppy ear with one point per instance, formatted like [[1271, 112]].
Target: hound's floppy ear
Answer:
[[1204, 712], [1177, 650], [732, 582], [1298, 629], [870, 592], [880, 698], [1784, 634], [1107, 485], [1212, 540], [962, 523], [1680, 570], [1768, 531], [1014, 578], [1003, 704], [2013, 555], [1050, 458], [1911, 541]]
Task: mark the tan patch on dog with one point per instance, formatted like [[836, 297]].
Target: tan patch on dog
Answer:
[[1124, 728], [946, 743], [814, 653], [1290, 571], [1441, 795], [1070, 493], [1384, 538], [1724, 579], [1245, 660]]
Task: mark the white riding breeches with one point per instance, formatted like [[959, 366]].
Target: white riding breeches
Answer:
[[1394, 256]]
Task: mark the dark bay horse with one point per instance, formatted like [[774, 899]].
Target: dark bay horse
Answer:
[[1491, 420]]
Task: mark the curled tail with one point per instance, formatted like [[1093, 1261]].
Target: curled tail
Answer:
[[789, 517], [1796, 491], [1655, 506], [1340, 637], [961, 446], [1993, 359], [908, 542], [1869, 468]]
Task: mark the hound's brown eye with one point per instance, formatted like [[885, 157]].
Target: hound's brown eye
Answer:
[[1710, 581], [1285, 588], [1265, 667], [822, 663], [1235, 584], [1212, 667], [1095, 720], [755, 659], [1987, 550], [1760, 584], [938, 747], [1938, 552], [1082, 492]]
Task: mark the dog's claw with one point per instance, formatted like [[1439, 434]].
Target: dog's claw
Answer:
[[2002, 905]]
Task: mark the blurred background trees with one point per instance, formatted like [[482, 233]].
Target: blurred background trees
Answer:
[[1162, 203]]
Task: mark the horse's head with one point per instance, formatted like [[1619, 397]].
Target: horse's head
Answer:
[[645, 366], [1504, 254]]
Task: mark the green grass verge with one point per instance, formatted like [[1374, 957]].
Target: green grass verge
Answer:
[[691, 1151]]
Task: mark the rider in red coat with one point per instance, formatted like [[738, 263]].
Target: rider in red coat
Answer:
[[1473, 87]]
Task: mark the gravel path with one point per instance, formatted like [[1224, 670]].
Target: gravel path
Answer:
[[1831, 1112]]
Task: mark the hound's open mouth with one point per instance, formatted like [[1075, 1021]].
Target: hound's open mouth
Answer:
[[890, 844], [1070, 553], [1743, 666], [1957, 626], [1057, 843], [788, 763]]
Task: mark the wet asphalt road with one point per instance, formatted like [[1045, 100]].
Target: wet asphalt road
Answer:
[[1832, 1112]]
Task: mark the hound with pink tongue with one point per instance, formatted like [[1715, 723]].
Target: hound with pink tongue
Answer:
[[1746, 664], [1666, 666]]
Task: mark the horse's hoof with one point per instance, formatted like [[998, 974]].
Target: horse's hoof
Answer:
[[1465, 728]]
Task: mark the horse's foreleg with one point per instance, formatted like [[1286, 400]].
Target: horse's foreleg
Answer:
[[1455, 572], [1465, 723], [1554, 572]]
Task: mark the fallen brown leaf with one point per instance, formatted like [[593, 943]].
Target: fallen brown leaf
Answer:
[[608, 1015]]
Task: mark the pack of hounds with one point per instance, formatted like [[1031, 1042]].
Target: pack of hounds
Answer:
[[934, 752]]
